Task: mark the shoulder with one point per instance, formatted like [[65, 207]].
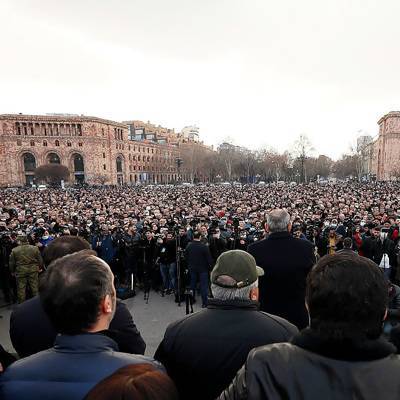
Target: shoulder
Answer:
[[280, 323], [32, 305]]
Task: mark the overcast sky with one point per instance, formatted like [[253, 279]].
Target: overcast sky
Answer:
[[258, 71]]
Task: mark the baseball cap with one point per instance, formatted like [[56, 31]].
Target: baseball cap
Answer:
[[239, 265]]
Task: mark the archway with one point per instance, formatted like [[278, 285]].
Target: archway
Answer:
[[119, 165], [29, 163], [78, 168], [53, 158]]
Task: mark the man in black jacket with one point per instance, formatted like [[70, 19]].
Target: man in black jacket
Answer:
[[286, 262], [31, 330], [203, 351], [199, 261], [342, 355], [376, 246]]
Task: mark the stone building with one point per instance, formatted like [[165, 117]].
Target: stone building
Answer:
[[95, 150], [384, 152]]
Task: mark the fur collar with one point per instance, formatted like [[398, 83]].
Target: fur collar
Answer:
[[362, 349]]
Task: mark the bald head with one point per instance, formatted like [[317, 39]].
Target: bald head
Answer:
[[278, 220]]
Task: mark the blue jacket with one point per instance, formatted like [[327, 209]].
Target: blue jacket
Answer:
[[67, 371], [105, 247]]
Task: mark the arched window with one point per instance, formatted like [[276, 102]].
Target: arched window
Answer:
[[57, 143], [119, 164], [53, 158], [29, 162], [32, 142], [78, 163], [45, 143]]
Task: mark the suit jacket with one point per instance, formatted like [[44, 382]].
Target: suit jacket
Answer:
[[31, 330], [198, 257], [68, 370], [286, 262]]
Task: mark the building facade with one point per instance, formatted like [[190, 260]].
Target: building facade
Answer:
[[384, 152], [95, 150]]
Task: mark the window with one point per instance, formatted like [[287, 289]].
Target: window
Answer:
[[32, 131], [80, 144], [57, 143], [32, 142], [18, 128], [104, 155], [19, 142], [119, 164], [45, 143], [69, 144], [53, 158], [29, 162], [104, 166], [102, 131], [25, 131]]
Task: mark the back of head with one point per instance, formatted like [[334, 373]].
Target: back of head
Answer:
[[135, 382], [347, 243], [197, 235], [347, 297], [278, 220], [62, 246], [72, 289]]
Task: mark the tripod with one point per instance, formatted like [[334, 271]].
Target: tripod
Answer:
[[178, 267], [146, 277]]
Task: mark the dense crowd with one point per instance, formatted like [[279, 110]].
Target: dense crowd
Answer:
[[133, 228], [296, 281]]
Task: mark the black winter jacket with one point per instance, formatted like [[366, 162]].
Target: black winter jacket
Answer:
[[203, 351], [310, 368]]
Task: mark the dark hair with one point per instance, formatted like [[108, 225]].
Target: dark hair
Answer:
[[72, 290], [62, 246], [347, 243], [135, 382], [347, 297], [196, 235]]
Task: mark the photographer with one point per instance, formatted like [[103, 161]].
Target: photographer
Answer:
[[129, 250], [166, 255], [217, 244], [105, 245], [148, 249]]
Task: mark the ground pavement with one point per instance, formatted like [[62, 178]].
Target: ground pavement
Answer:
[[151, 319]]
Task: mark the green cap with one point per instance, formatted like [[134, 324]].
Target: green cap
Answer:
[[239, 265]]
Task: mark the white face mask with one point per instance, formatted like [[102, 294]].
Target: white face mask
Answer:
[[45, 237], [383, 235]]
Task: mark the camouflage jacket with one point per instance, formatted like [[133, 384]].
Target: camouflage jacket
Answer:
[[25, 258]]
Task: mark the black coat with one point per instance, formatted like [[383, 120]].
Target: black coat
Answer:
[[286, 262], [374, 248], [310, 368], [31, 330], [198, 257], [203, 351]]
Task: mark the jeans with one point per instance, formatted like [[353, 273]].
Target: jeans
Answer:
[[168, 274], [203, 277]]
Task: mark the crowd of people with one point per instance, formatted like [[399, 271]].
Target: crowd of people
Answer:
[[249, 249]]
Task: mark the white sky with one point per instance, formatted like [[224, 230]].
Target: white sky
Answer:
[[259, 71]]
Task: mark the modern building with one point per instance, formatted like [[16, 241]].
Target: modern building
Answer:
[[95, 150]]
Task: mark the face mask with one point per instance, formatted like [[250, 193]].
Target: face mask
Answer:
[[383, 235], [45, 237]]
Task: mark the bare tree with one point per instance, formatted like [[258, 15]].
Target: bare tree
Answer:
[[302, 150], [52, 174], [99, 179]]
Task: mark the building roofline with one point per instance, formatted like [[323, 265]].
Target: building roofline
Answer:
[[62, 118], [389, 114]]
